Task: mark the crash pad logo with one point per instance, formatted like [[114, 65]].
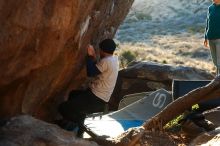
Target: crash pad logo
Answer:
[[159, 100]]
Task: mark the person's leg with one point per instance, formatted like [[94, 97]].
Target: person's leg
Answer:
[[75, 93], [78, 107], [81, 105], [93, 104], [70, 110], [3, 121], [212, 46], [217, 42]]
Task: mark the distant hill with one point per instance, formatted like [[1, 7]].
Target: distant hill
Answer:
[[161, 17]]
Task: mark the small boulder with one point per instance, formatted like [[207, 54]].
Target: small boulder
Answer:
[[150, 76], [25, 130]]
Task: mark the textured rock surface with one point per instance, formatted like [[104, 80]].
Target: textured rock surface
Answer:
[[27, 131], [148, 76], [207, 139], [213, 116], [42, 49]]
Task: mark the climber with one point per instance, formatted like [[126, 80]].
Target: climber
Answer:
[[83, 102]]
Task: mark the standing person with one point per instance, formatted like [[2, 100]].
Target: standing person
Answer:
[[212, 32], [95, 98]]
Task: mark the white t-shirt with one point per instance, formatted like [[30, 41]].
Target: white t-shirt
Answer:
[[104, 83]]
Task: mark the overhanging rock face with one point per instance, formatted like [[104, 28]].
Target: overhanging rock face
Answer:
[[43, 47]]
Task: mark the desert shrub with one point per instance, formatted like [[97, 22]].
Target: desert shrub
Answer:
[[126, 57], [174, 124], [143, 16], [196, 29], [164, 62]]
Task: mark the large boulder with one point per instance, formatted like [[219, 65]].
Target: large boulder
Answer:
[[211, 138], [43, 47], [150, 76], [27, 131]]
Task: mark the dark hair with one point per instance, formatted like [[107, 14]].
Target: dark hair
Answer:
[[108, 46]]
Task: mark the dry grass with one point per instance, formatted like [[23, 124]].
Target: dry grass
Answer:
[[184, 49]]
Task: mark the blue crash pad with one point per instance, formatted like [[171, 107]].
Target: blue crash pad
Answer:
[[133, 115]]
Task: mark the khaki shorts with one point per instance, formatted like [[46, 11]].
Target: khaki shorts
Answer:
[[215, 51]]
